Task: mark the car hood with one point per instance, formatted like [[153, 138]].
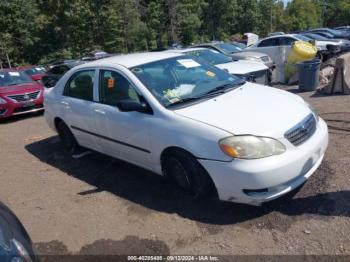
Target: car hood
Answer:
[[242, 67], [340, 41], [326, 42], [27, 87], [250, 109]]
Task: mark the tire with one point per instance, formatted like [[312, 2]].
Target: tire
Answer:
[[185, 171], [67, 138]]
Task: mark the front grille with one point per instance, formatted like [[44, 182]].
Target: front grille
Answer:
[[302, 131], [265, 58], [25, 97]]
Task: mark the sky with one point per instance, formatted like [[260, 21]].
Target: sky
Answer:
[[285, 2]]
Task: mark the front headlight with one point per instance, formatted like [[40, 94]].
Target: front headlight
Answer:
[[314, 111], [2, 101], [256, 59], [251, 147]]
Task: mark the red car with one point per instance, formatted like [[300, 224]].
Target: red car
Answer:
[[35, 72], [19, 94]]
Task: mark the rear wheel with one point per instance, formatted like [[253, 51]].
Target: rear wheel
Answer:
[[67, 138], [185, 171]]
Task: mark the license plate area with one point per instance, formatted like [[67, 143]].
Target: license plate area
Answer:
[[28, 104]]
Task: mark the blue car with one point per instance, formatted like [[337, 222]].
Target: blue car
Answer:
[[15, 243]]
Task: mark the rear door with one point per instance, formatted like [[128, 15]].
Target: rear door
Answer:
[[77, 105]]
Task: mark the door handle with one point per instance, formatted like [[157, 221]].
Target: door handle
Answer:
[[65, 104], [98, 111]]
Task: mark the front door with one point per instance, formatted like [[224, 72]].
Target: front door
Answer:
[[124, 135]]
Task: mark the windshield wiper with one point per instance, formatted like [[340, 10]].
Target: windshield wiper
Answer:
[[224, 88], [184, 100], [218, 90]]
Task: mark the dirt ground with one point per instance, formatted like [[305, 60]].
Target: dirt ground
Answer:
[[100, 205]]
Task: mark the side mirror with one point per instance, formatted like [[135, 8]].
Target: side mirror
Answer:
[[129, 105], [49, 81]]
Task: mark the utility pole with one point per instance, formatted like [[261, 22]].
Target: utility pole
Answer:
[[271, 5]]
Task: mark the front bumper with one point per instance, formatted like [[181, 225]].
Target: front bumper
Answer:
[[261, 180], [19, 108]]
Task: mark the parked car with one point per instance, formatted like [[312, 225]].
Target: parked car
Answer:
[[342, 43], [269, 44], [192, 122], [35, 72], [239, 45], [336, 34], [276, 33], [343, 29], [57, 70], [95, 55], [19, 94], [15, 243], [238, 53], [255, 72]]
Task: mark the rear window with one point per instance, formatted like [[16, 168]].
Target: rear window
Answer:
[[269, 42], [13, 78]]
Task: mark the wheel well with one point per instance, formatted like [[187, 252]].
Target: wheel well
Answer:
[[171, 150], [57, 121]]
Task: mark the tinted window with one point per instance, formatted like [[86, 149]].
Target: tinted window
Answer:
[[59, 70], [81, 85], [316, 37], [9, 78], [114, 87], [287, 41], [269, 42], [211, 56], [228, 48], [33, 71]]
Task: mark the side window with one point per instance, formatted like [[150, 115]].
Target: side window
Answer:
[[287, 41], [114, 87], [269, 42], [81, 85]]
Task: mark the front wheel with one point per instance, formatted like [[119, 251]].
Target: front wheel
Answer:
[[185, 171]]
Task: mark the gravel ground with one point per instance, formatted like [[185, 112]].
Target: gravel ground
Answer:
[[100, 205]]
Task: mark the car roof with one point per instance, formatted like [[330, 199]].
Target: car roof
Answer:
[[131, 60], [277, 36], [207, 44], [185, 50], [25, 67]]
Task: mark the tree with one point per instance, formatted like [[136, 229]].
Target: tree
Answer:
[[302, 15]]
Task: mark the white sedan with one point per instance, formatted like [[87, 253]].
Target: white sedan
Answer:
[[183, 118]]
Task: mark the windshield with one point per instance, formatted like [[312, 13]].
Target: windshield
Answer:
[[13, 78], [181, 78], [240, 45], [34, 71], [334, 32], [303, 38], [228, 48], [211, 56], [316, 37]]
